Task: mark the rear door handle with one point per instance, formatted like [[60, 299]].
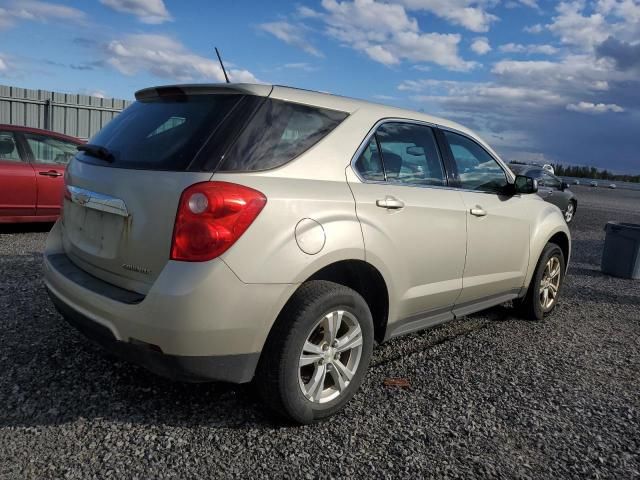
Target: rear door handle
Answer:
[[50, 173], [390, 203], [478, 212]]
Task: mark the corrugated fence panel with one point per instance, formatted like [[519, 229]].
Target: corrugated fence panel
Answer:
[[5, 111], [83, 123], [69, 113]]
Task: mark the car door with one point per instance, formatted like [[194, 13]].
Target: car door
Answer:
[[553, 186], [49, 157], [17, 179], [414, 226], [545, 191], [498, 229]]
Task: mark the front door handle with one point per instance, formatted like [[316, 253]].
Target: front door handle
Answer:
[[478, 212], [390, 203], [50, 173]]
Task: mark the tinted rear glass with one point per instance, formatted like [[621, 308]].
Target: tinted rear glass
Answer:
[[162, 133], [279, 132]]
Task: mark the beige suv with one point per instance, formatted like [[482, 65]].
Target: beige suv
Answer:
[[251, 232]]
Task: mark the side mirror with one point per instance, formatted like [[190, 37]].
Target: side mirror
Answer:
[[525, 185]]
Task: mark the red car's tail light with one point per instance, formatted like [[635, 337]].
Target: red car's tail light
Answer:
[[211, 217]]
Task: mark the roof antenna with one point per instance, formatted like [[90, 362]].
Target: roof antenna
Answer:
[[222, 65]]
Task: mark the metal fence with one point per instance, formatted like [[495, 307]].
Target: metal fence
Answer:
[[72, 114]]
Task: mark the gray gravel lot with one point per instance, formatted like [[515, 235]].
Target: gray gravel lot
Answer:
[[491, 395]]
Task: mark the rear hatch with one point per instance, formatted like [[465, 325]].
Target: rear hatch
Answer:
[[123, 191]]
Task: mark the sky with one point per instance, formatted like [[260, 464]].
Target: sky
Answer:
[[539, 80]]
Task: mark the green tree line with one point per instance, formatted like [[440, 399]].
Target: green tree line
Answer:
[[592, 172]]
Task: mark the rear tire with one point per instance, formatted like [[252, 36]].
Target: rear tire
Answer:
[[544, 289], [317, 353]]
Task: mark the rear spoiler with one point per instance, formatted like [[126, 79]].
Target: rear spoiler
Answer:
[[205, 89]]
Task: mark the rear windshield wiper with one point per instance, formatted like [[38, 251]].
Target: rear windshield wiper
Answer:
[[97, 151]]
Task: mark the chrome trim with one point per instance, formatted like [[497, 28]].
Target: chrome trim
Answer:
[[97, 201]]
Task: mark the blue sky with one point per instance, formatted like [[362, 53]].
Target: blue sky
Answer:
[[539, 80]]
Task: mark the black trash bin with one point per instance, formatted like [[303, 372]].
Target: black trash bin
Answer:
[[621, 255]]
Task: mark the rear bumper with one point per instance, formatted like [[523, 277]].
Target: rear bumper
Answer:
[[227, 368], [198, 321]]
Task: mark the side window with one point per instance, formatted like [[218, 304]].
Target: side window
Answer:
[[410, 155], [279, 132], [477, 169], [50, 150], [8, 147], [550, 181], [537, 174], [369, 164]]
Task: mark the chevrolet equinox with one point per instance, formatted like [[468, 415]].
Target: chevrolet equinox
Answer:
[[262, 233]]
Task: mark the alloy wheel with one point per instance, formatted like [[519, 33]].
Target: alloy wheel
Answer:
[[550, 283], [568, 214], [330, 356]]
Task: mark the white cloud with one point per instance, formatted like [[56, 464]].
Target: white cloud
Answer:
[[529, 3], [147, 11], [629, 10], [384, 97], [537, 28], [481, 46], [382, 31], [35, 10], [5, 19], [93, 92], [477, 97], [618, 18], [594, 108], [307, 12], [572, 74], [470, 14], [305, 67], [575, 29], [165, 57], [291, 34], [528, 49], [388, 35], [3, 64]]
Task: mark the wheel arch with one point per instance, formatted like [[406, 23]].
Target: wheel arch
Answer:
[[362, 277], [562, 240], [549, 226]]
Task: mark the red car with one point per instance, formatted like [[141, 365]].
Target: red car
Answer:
[[32, 164]]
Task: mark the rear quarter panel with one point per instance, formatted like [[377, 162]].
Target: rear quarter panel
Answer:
[[268, 251], [311, 186]]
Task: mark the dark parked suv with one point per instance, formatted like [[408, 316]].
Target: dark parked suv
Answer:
[[551, 188]]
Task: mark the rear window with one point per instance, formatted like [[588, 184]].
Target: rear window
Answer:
[[279, 132], [162, 133], [211, 132]]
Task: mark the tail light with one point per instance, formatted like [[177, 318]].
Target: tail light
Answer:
[[211, 217]]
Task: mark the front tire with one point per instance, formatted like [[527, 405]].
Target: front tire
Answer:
[[544, 290], [570, 212], [317, 352]]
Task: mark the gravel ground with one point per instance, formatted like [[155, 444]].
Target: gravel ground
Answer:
[[491, 395]]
